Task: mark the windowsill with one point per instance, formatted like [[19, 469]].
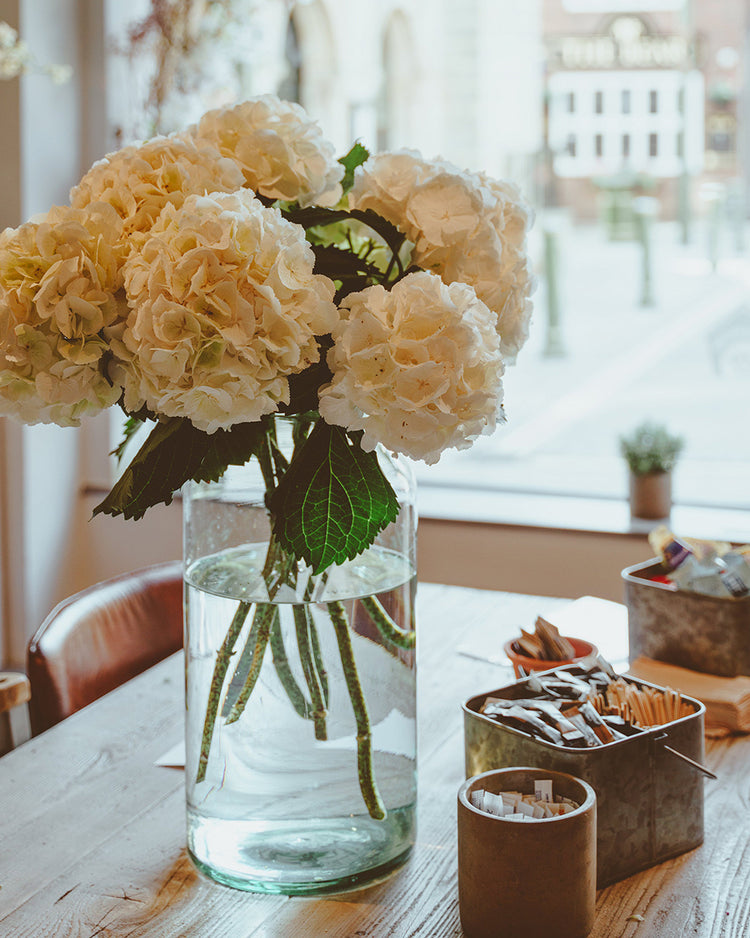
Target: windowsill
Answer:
[[558, 512], [582, 515]]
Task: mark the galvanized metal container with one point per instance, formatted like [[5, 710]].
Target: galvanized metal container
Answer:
[[650, 802], [703, 633]]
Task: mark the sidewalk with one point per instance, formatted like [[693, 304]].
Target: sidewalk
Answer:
[[685, 361]]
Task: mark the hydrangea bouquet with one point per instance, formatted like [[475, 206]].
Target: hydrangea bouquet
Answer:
[[210, 280]]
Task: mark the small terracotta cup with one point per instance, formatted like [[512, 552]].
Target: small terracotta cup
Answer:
[[582, 650], [527, 879]]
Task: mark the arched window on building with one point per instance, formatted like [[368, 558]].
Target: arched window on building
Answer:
[[317, 68], [394, 111], [289, 86]]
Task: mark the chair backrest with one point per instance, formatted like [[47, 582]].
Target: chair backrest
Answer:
[[101, 637]]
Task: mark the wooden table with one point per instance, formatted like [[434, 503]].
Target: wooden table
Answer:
[[92, 840]]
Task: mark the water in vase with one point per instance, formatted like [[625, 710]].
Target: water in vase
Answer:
[[280, 810]]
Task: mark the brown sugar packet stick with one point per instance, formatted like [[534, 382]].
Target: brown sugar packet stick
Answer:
[[557, 647]]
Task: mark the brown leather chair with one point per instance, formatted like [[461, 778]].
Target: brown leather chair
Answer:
[[101, 637]]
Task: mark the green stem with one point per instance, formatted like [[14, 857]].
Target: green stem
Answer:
[[217, 682], [367, 783], [386, 626], [302, 628], [317, 654], [318, 661], [276, 561], [241, 668], [284, 672], [264, 615]]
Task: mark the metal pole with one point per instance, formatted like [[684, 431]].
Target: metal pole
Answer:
[[715, 206], [645, 209], [683, 183], [554, 345]]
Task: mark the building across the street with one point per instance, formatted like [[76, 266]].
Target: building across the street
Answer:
[[646, 97]]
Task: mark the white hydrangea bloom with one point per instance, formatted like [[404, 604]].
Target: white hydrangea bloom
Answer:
[[417, 368], [59, 282], [282, 152], [140, 180], [466, 227], [225, 306]]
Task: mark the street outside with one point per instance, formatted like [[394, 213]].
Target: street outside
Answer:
[[683, 361]]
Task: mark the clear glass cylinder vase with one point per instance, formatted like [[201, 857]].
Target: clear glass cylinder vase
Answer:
[[305, 783]]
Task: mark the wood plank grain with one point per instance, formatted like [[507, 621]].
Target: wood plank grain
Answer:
[[139, 882], [701, 893], [93, 831], [67, 790]]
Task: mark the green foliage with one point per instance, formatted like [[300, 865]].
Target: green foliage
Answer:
[[132, 426], [333, 501], [303, 386], [354, 158], [316, 217], [174, 452], [650, 448]]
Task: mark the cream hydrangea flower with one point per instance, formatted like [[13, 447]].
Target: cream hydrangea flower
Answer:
[[225, 306], [140, 180], [59, 282], [282, 152], [417, 368], [466, 227]]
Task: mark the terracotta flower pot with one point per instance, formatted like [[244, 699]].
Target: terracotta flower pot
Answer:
[[582, 650], [651, 495]]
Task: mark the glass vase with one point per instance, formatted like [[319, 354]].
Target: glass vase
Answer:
[[301, 696]]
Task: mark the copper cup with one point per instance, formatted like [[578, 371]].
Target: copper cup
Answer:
[[535, 879]]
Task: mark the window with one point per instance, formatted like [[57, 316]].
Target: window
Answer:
[[598, 120], [606, 118]]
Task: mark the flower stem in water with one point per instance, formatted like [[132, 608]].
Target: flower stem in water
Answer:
[[217, 682], [264, 615], [385, 624], [367, 783], [302, 627], [284, 672], [318, 660]]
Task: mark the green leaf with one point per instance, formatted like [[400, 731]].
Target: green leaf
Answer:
[[333, 501], [232, 447], [303, 386], [315, 216], [174, 452], [354, 158], [132, 426], [388, 232], [338, 263]]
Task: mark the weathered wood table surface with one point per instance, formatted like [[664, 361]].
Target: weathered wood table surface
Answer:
[[92, 830]]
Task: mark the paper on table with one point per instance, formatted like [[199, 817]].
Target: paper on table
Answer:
[[173, 758], [601, 621]]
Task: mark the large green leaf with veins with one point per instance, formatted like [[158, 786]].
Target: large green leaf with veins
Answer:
[[333, 501], [174, 452]]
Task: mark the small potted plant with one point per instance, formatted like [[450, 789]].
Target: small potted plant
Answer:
[[651, 453]]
